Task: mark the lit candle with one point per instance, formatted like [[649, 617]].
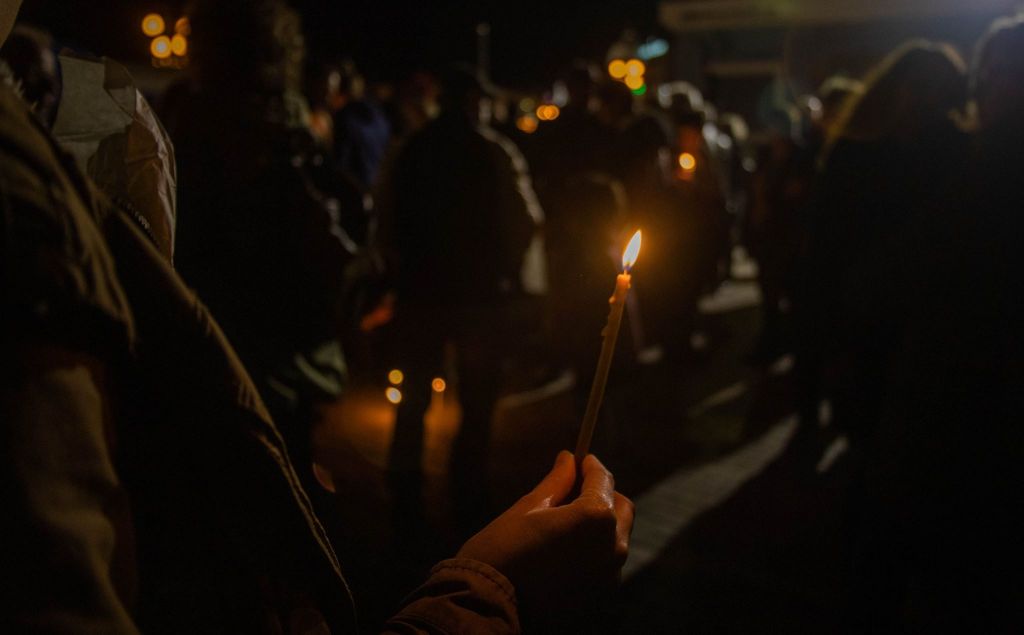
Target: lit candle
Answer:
[[610, 334]]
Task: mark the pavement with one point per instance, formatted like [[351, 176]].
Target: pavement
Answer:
[[739, 510]]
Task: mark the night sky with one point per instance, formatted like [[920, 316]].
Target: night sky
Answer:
[[531, 39]]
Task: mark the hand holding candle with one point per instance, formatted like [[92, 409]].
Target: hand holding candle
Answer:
[[611, 335]]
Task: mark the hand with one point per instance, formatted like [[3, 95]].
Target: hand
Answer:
[[560, 556]]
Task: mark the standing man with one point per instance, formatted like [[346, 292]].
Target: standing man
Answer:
[[464, 213]]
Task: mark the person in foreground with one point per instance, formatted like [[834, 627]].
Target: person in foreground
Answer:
[[145, 487]]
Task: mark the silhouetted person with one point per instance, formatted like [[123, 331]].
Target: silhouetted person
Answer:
[[575, 143], [361, 129], [897, 151], [947, 469], [464, 214], [256, 238]]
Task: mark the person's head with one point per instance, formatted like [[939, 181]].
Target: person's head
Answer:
[[997, 73], [252, 46], [919, 84], [464, 91], [8, 14]]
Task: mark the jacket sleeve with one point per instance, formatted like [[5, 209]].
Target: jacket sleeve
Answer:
[[62, 522], [461, 596]]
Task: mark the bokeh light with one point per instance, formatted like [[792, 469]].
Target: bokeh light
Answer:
[[438, 384], [153, 25], [617, 69], [635, 68], [183, 27], [179, 45], [394, 395], [548, 112], [634, 82], [687, 161], [160, 47], [526, 124], [396, 377]]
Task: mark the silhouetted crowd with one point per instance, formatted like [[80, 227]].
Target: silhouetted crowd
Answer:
[[188, 287]]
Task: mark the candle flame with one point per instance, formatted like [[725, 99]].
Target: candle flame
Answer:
[[632, 252]]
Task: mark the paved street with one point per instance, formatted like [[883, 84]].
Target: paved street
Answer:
[[738, 513]]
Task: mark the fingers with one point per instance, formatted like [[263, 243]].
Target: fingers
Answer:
[[624, 511], [557, 485], [598, 483]]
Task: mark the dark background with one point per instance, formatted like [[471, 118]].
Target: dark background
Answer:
[[530, 40]]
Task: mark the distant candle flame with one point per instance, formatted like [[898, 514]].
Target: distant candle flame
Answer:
[[632, 252]]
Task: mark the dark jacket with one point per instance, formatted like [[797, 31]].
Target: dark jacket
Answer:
[[145, 487], [463, 215]]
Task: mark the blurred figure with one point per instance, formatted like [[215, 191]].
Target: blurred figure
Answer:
[[29, 54], [896, 144], [897, 151], [576, 142], [947, 465], [361, 130], [464, 214], [257, 239], [776, 230]]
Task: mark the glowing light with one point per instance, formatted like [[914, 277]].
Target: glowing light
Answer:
[[438, 384], [527, 124], [652, 49], [161, 47], [396, 377], [634, 82], [527, 104], [153, 25], [394, 395], [632, 251], [179, 45], [687, 161], [635, 68], [183, 27], [640, 91], [548, 112], [617, 69]]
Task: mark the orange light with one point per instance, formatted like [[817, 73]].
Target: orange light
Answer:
[[394, 395], [635, 68], [617, 69], [396, 377], [153, 25], [634, 82], [179, 45], [527, 124], [687, 161], [438, 384], [161, 47], [632, 251], [548, 112], [183, 27]]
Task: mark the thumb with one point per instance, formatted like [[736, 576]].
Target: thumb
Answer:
[[554, 488]]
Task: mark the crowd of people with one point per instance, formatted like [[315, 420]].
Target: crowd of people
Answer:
[[181, 301]]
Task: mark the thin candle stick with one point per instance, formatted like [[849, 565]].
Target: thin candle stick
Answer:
[[604, 364]]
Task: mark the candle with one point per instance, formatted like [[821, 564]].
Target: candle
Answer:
[[611, 335]]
